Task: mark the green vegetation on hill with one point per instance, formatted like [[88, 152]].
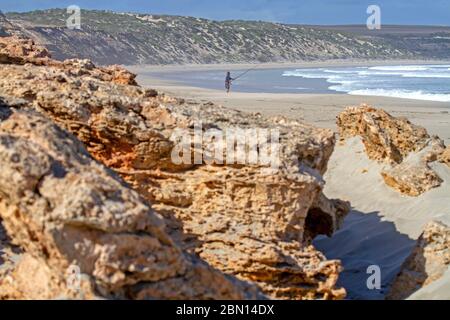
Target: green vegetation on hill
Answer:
[[127, 38]]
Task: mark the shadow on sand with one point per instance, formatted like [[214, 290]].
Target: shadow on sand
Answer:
[[366, 240]]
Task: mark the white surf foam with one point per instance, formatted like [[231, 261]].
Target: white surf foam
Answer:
[[400, 68], [405, 94], [385, 81], [427, 75]]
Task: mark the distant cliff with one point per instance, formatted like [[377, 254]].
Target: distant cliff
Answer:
[[108, 37], [125, 38]]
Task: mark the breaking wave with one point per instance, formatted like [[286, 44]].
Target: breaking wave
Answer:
[[421, 82], [405, 94]]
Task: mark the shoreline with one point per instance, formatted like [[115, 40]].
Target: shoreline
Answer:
[[378, 214], [317, 109], [276, 65]]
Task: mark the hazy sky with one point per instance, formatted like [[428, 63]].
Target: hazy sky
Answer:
[[435, 12]]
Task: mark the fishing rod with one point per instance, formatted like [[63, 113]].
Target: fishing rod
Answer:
[[244, 73]]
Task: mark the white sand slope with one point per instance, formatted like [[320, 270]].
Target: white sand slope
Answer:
[[383, 226], [437, 290]]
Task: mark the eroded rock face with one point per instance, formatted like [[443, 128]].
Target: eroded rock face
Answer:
[[20, 51], [16, 50], [407, 149], [445, 156], [385, 137], [428, 262], [63, 209], [248, 220], [414, 176]]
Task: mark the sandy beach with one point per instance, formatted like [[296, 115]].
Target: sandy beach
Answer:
[[383, 225], [318, 109], [277, 65]]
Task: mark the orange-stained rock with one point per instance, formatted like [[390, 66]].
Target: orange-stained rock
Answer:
[[247, 220], [64, 209], [16, 50]]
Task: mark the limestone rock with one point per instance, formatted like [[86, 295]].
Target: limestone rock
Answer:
[[385, 137], [64, 209], [84, 67], [445, 156], [407, 149], [19, 51], [428, 262], [248, 220], [16, 50], [325, 216], [414, 176]]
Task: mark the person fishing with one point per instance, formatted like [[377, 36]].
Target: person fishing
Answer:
[[228, 81]]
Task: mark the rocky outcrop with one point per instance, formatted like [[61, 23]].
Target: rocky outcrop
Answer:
[[64, 209], [407, 149], [16, 50], [414, 176], [251, 220], [428, 262], [444, 157], [385, 137], [19, 51]]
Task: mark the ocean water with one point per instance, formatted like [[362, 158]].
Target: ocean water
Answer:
[[421, 82]]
